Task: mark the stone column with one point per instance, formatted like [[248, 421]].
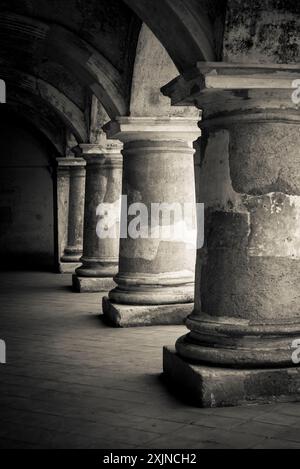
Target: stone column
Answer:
[[245, 329], [101, 235], [73, 250], [62, 187], [155, 283]]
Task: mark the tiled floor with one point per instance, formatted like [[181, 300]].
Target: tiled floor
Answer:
[[71, 382]]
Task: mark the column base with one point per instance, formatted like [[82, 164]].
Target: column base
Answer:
[[207, 386], [120, 315], [68, 267], [92, 284]]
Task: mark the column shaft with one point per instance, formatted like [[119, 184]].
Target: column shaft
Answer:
[[63, 188], [101, 233], [73, 250], [155, 282]]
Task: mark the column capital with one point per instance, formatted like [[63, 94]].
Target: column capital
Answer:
[[219, 86], [91, 153], [128, 129], [70, 162], [104, 153]]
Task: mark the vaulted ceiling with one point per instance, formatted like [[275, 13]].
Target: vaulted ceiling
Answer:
[[55, 55]]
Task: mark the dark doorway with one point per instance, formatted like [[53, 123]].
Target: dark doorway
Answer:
[[27, 239]]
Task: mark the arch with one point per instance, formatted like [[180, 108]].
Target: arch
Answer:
[[52, 72], [184, 27], [39, 39], [69, 113], [153, 68], [91, 67]]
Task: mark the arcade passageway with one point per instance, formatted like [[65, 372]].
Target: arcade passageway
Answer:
[[149, 223]]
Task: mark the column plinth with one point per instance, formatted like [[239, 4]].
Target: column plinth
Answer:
[[73, 250], [155, 282], [102, 194], [247, 307]]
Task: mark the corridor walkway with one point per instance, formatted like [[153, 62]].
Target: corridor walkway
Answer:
[[72, 382]]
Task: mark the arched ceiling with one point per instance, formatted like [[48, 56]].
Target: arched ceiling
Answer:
[[36, 44], [43, 117], [58, 54], [103, 24], [52, 72], [71, 116]]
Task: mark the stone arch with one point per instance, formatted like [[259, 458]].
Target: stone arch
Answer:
[[39, 39], [68, 112], [153, 68], [188, 29]]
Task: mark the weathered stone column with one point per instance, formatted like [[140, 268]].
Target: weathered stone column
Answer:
[[62, 191], [73, 250], [246, 321], [102, 192], [155, 283]]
